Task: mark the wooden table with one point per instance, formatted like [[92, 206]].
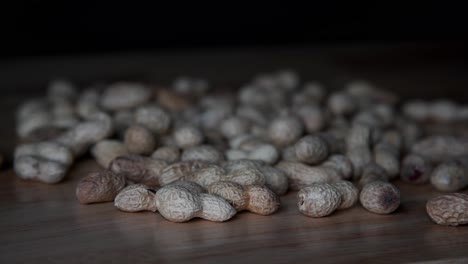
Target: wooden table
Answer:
[[45, 224]]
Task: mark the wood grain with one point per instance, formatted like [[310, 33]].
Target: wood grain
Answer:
[[45, 223]]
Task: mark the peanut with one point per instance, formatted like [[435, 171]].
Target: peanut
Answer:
[[372, 172], [380, 197], [107, 150], [97, 187], [178, 204], [415, 169], [246, 176], [285, 130], [349, 194], [253, 198], [167, 153], [301, 175], [234, 126], [441, 148], [138, 169], [47, 161], [188, 136], [266, 153], [275, 179], [136, 198], [318, 200], [449, 209], [358, 148], [450, 176], [340, 163], [139, 140], [207, 176], [124, 95], [311, 150], [153, 118], [87, 133], [206, 153], [180, 171]]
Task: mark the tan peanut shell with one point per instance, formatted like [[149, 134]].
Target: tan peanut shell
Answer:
[[380, 197], [180, 171], [358, 147], [107, 150], [188, 136], [301, 175], [349, 194], [318, 200], [311, 149], [284, 131], [138, 169], [205, 153], [441, 148], [415, 169], [450, 176], [136, 198], [208, 175], [449, 209], [40, 169], [124, 95], [372, 172], [139, 140], [246, 176], [47, 150], [178, 204], [340, 163], [97, 187], [153, 118], [170, 154], [254, 198], [266, 153], [388, 157], [275, 179]]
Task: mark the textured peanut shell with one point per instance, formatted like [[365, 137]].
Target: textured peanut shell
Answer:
[[261, 200], [342, 164], [124, 95], [415, 169], [358, 147], [136, 198], [311, 149], [232, 192], [139, 140], [380, 197], [170, 154], [441, 148], [208, 175], [107, 150], [449, 209], [188, 136], [318, 200], [98, 187], [36, 168], [193, 187], [301, 175], [246, 176], [285, 130], [180, 171], [372, 172], [387, 156], [138, 169], [266, 153], [154, 118], [254, 198], [349, 194], [178, 204], [47, 150], [275, 179], [450, 176], [233, 165], [205, 153], [99, 126]]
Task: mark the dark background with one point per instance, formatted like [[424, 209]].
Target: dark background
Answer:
[[76, 27]]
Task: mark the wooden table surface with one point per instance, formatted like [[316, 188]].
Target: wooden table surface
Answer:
[[42, 223]]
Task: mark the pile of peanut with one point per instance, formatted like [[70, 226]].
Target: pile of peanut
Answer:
[[191, 150]]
